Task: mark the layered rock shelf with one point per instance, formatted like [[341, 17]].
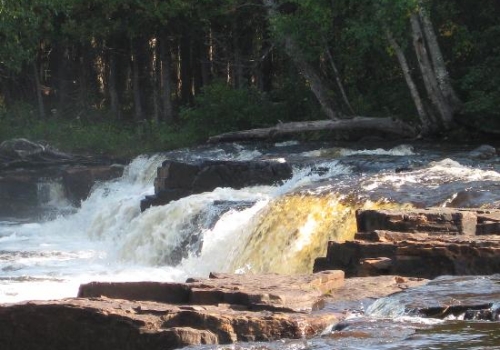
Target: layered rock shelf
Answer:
[[419, 243], [176, 180], [149, 315]]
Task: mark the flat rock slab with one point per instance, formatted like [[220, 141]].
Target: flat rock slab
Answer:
[[150, 315], [108, 324], [270, 292], [416, 255], [452, 221], [436, 220]]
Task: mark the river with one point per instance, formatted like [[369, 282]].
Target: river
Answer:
[[279, 228]]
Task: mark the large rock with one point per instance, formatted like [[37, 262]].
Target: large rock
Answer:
[[176, 180], [78, 180], [438, 220], [251, 292], [106, 324], [149, 315], [31, 172], [24, 192], [420, 243], [417, 255]]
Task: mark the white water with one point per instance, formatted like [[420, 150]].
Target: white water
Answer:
[[109, 239]]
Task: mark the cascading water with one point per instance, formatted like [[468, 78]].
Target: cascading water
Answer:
[[280, 228]]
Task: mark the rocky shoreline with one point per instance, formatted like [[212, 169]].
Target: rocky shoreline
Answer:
[[393, 251], [228, 308], [222, 309], [422, 243]]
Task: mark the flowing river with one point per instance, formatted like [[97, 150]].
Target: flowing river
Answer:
[[280, 228]]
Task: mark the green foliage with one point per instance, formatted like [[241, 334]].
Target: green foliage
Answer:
[[91, 135], [220, 108]]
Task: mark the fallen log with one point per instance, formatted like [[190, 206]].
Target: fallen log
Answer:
[[389, 126]]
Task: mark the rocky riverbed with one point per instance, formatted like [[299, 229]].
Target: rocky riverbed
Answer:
[[390, 217]]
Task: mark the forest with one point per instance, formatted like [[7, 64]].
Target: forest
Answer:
[[165, 73]]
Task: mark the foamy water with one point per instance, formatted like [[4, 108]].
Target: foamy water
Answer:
[[109, 239]]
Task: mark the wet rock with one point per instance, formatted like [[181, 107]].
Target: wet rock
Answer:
[[220, 310], [78, 181], [436, 220], [26, 191], [176, 180], [446, 297], [420, 242], [416, 255], [372, 287], [483, 152]]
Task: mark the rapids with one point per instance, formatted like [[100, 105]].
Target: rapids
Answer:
[[280, 228]]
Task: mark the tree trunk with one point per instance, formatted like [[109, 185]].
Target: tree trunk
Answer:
[[136, 86], [428, 76], [318, 86], [185, 68], [112, 85], [206, 64], [417, 100], [264, 69], [38, 91], [442, 76], [156, 78], [388, 126], [166, 80], [237, 63], [339, 81]]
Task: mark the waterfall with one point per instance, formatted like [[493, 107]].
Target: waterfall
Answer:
[[280, 228]]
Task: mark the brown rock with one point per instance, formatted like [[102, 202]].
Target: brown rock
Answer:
[[488, 222], [436, 220], [223, 309], [250, 292], [170, 293], [416, 255], [118, 324]]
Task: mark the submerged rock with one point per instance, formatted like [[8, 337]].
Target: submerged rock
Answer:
[[483, 152], [446, 297]]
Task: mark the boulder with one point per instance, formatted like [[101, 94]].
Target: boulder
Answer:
[[483, 152], [24, 192], [78, 180], [176, 180]]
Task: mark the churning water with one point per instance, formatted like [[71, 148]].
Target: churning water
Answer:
[[280, 228]]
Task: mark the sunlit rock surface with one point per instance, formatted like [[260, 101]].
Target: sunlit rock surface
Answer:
[[419, 243], [219, 310]]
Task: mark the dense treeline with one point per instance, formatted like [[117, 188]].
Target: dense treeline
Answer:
[[219, 65]]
